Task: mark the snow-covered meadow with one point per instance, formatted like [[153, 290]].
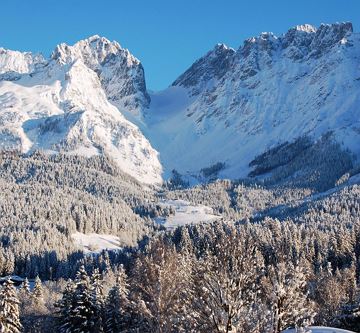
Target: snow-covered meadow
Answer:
[[94, 243], [185, 213]]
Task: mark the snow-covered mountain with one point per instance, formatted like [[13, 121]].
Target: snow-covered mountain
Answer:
[[65, 104], [120, 73], [232, 105], [19, 62], [229, 106]]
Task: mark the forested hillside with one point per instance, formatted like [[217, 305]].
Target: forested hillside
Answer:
[[45, 199], [277, 256]]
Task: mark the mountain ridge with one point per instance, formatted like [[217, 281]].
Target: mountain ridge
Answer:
[[228, 107], [271, 90]]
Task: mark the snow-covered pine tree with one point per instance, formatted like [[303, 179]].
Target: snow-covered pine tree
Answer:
[[117, 303], [25, 297], [98, 300], [9, 309], [160, 280], [105, 266], [25, 287], [350, 317], [225, 285], [330, 295], [183, 240], [289, 302], [38, 292], [82, 312], [64, 308], [336, 294]]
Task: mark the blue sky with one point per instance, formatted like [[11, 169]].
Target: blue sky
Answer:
[[167, 36]]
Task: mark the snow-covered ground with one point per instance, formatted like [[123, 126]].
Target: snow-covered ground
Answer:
[[185, 213], [93, 243], [17, 280], [320, 329]]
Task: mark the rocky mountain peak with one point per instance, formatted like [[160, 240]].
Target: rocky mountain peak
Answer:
[[120, 73], [307, 41], [299, 44], [92, 51], [328, 35], [308, 28], [267, 41], [19, 62], [213, 65], [220, 48]]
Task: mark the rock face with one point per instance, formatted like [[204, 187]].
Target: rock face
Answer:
[[68, 104], [230, 106]]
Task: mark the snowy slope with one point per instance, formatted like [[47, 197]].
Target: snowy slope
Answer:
[[64, 106], [233, 105], [95, 243], [185, 213]]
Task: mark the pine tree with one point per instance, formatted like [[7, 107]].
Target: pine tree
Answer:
[[350, 318], [9, 309], [225, 286], [77, 310], [65, 307], [98, 301], [288, 296], [83, 311], [25, 287], [116, 304], [38, 292], [184, 242], [160, 283], [330, 295], [25, 297]]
